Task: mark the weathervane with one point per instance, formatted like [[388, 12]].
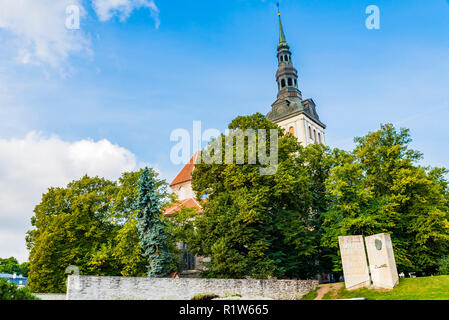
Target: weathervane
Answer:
[[279, 10]]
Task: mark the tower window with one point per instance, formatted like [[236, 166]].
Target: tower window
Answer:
[[282, 83], [292, 131], [290, 82], [286, 58], [314, 133], [310, 133], [282, 58], [296, 83], [319, 137]]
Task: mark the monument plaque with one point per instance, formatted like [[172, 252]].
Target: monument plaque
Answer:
[[381, 260], [355, 266]]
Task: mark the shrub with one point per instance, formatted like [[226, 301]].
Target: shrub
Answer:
[[443, 266], [10, 291], [204, 297]]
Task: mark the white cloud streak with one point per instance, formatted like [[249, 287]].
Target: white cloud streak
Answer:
[[38, 30], [106, 9]]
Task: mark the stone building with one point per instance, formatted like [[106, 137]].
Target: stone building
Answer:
[[182, 187]]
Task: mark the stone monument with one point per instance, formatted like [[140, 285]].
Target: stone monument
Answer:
[[355, 266], [384, 273]]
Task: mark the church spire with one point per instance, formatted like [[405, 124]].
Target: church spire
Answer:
[[282, 39], [290, 111], [289, 98], [287, 75]]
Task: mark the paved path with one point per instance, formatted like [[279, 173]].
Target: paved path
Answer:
[[325, 288]]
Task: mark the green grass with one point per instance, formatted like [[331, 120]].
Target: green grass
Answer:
[[204, 297], [425, 288], [311, 295]]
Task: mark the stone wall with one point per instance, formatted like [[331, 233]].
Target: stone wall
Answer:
[[120, 288]]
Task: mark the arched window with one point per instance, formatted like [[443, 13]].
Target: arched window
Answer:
[[292, 131], [319, 137], [282, 58], [290, 82], [296, 83], [314, 134], [310, 133], [286, 58], [282, 83]]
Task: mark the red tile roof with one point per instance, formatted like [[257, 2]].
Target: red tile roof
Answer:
[[186, 172], [188, 203]]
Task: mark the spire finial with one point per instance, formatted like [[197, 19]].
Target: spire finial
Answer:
[[281, 29]]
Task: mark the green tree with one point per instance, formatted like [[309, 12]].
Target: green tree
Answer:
[[380, 188], [90, 224], [153, 238], [11, 266], [258, 225], [10, 291], [71, 223]]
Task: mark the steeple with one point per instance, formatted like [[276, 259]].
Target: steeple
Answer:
[[287, 75], [289, 101], [282, 39]]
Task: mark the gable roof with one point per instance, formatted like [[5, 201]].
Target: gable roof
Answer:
[[188, 203], [186, 173]]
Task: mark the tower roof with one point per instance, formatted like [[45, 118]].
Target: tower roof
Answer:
[[282, 39], [289, 102], [186, 203]]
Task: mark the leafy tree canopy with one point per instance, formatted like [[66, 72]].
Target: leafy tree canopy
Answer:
[[11, 266], [260, 225], [10, 291], [380, 188], [90, 224], [288, 224]]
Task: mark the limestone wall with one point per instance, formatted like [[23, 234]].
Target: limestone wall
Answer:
[[121, 288]]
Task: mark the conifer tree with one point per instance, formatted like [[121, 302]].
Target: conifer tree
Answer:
[[153, 237]]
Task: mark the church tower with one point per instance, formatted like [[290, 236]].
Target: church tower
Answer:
[[290, 111]]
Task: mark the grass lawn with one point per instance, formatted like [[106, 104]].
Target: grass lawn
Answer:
[[425, 288]]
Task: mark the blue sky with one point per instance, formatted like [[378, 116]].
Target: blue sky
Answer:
[[125, 79]]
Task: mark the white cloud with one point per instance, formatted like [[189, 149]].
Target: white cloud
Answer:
[[106, 9], [30, 165], [39, 31], [36, 29]]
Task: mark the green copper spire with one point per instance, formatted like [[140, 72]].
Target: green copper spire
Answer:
[[282, 39]]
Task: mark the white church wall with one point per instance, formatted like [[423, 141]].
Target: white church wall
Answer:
[[183, 190], [301, 124]]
